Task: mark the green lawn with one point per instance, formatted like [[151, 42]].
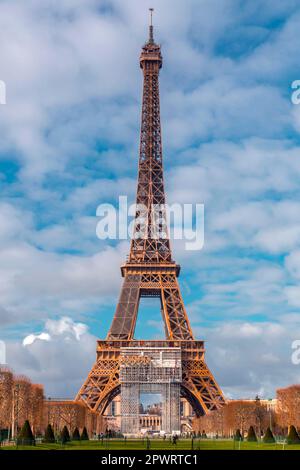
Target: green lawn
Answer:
[[182, 444]]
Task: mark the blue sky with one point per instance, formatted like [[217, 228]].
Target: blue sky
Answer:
[[69, 141]]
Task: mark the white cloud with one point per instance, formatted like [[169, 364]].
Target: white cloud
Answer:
[[66, 326], [292, 263], [60, 357], [31, 338], [293, 295], [242, 291], [34, 281], [278, 239], [251, 359]]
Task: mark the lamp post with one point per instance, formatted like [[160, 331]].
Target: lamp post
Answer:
[[49, 400], [270, 413], [15, 411]]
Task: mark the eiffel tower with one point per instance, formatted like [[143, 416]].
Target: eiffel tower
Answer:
[[150, 271]]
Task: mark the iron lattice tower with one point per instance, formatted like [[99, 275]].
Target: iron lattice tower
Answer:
[[151, 271]]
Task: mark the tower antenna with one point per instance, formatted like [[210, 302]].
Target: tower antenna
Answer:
[[151, 15], [151, 38]]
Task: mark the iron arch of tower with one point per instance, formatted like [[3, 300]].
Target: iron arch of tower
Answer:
[[198, 385], [151, 271]]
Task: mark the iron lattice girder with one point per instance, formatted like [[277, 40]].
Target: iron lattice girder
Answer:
[[198, 384], [141, 282]]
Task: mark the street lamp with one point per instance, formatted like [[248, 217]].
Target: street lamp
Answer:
[[270, 412], [15, 410], [49, 400]]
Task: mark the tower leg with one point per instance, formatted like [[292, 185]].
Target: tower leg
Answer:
[[126, 312]]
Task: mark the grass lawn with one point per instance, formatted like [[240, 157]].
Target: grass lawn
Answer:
[[157, 444]]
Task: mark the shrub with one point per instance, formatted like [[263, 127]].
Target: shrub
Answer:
[[293, 437], [251, 436], [76, 435], [238, 436], [84, 435], [25, 436], [49, 434], [268, 437], [64, 435], [4, 433]]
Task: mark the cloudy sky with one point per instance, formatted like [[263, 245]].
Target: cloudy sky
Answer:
[[69, 141]]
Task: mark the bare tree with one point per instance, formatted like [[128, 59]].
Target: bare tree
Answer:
[[288, 406]]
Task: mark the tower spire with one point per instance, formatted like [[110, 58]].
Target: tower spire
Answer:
[[151, 38]]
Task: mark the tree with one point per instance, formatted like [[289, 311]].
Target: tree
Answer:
[[268, 437], [49, 434], [251, 436], [238, 436], [65, 436], [76, 435], [84, 435], [236, 414], [293, 436], [25, 436], [239, 414], [288, 400]]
